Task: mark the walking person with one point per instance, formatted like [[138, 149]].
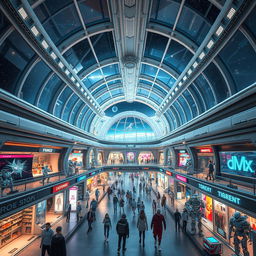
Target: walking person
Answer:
[[177, 217], [163, 203], [121, 204], [158, 198], [142, 206], [107, 226], [58, 244], [122, 229], [93, 206], [68, 211], [142, 226], [133, 205], [109, 191], [115, 201], [87, 198], [46, 239], [157, 224], [78, 211], [90, 218], [154, 206], [210, 171], [97, 194], [138, 205], [184, 217]]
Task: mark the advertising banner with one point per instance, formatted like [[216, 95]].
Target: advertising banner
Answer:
[[58, 203]]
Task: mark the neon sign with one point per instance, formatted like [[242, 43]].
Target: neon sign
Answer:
[[169, 173], [205, 188], [181, 178], [205, 150], [230, 198], [240, 165], [81, 178]]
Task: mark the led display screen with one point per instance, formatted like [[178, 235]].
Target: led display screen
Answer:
[[239, 163], [16, 166], [183, 159]]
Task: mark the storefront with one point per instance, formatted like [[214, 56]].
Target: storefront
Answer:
[[115, 158], [100, 158], [204, 155], [77, 157], [161, 158], [145, 157], [27, 160], [162, 180], [130, 157]]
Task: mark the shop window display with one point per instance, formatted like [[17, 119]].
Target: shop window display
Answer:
[[208, 214], [145, 158], [14, 226], [220, 219], [77, 158], [161, 158], [203, 162], [115, 158], [130, 157], [184, 159]]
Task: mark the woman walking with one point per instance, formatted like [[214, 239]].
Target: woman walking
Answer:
[[142, 226], [154, 206], [107, 226]]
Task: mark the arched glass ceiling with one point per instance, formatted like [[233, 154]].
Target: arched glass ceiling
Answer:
[[92, 78], [130, 129]]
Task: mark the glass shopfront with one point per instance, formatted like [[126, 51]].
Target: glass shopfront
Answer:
[[145, 157], [208, 211], [115, 158], [130, 157], [184, 159], [161, 158], [204, 155], [221, 219]]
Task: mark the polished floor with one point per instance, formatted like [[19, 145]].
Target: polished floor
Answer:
[[92, 244]]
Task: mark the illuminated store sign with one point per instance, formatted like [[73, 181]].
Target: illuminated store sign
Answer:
[[47, 150], [241, 164], [205, 188], [230, 198], [181, 178], [205, 150], [182, 151], [169, 173], [81, 178], [60, 187]]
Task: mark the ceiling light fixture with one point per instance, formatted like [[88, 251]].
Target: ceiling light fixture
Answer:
[[184, 78], [22, 13], [44, 44], [219, 30], [195, 64], [172, 93], [176, 89], [180, 84], [35, 31], [67, 72], [201, 56], [61, 65], [189, 72], [210, 44], [53, 55], [72, 79], [231, 13]]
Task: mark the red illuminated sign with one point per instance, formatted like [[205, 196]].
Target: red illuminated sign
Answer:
[[146, 168], [181, 178], [169, 173], [206, 150], [60, 187]]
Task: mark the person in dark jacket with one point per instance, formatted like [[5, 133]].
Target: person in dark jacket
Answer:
[[90, 219], [210, 171], [177, 217], [122, 229], [157, 223], [58, 244]]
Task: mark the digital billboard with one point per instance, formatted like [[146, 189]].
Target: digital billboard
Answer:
[[239, 163], [16, 166]]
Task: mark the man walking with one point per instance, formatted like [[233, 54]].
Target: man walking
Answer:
[[210, 171], [157, 224], [177, 217], [58, 244], [47, 235], [122, 229], [78, 211], [115, 201]]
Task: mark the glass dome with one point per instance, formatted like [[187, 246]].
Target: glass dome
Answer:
[[131, 129]]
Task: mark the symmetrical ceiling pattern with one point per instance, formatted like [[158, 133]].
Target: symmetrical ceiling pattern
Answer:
[[77, 58]]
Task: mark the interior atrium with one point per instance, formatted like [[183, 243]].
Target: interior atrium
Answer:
[[100, 95]]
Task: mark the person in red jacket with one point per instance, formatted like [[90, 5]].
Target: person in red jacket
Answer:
[[157, 223]]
